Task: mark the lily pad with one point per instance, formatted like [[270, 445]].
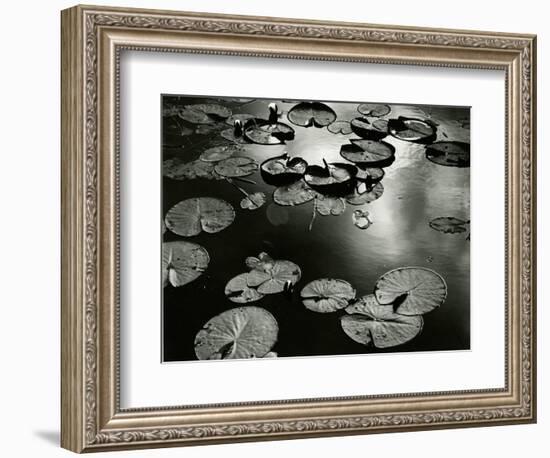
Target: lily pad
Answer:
[[280, 274], [183, 262], [294, 194], [237, 290], [335, 178], [207, 129], [361, 219], [307, 114], [450, 154], [375, 110], [229, 134], [381, 125], [449, 225], [219, 153], [177, 169], [211, 109], [262, 262], [412, 129], [340, 127], [369, 174], [253, 201], [326, 205], [411, 290], [368, 153], [239, 333], [372, 323], [236, 166], [283, 169], [192, 216], [364, 194], [362, 126], [243, 117], [264, 132], [327, 295], [194, 116]]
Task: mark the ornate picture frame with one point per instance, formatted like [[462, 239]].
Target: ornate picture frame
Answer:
[[92, 40]]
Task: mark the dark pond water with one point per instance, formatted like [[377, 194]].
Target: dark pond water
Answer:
[[415, 191]]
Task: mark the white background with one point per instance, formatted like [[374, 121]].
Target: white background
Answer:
[[29, 246], [145, 76]]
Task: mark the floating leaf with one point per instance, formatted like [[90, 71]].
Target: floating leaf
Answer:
[[239, 333], [335, 178], [192, 216], [364, 194], [242, 117], [371, 322], [373, 109], [412, 129], [176, 169], [362, 126], [183, 262], [326, 205], [369, 174], [282, 169], [449, 225], [327, 295], [236, 166], [211, 109], [361, 219], [308, 114], [273, 278], [229, 134], [380, 125], [294, 194], [207, 129], [253, 201], [237, 290], [193, 116], [368, 153], [450, 154], [411, 290], [340, 127], [219, 153], [264, 132]]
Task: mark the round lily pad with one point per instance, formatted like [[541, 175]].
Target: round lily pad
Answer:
[[219, 153], [239, 333], [264, 132], [236, 166], [279, 275], [362, 127], [308, 114], [412, 130], [229, 134], [327, 295], [449, 225], [375, 110], [368, 153], [243, 117], [411, 290], [194, 116], [369, 174], [364, 194], [381, 125], [237, 290], [294, 194], [340, 127], [253, 201], [282, 169], [192, 216], [183, 262], [372, 323], [211, 109], [326, 205], [176, 169], [335, 178], [361, 219], [450, 154]]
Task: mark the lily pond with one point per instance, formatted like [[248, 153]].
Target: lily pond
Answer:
[[307, 228]]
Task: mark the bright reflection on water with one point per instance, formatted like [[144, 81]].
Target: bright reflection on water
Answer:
[[415, 191]]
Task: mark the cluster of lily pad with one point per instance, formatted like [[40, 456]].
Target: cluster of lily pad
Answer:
[[391, 315]]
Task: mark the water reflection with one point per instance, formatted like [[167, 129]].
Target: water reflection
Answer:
[[415, 191]]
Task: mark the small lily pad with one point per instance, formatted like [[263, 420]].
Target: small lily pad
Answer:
[[326, 205], [183, 262], [411, 290], [237, 290], [177, 169], [340, 127], [327, 295], [362, 127], [364, 194], [368, 153], [253, 201], [243, 117], [211, 109], [264, 132], [283, 167], [192, 216], [369, 174], [361, 219], [294, 194], [193, 116], [307, 114], [219, 153], [335, 178], [229, 134], [372, 323], [239, 333], [236, 166], [450, 154], [412, 129], [449, 225], [274, 277], [375, 110]]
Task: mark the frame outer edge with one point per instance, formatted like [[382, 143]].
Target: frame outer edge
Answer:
[[72, 227]]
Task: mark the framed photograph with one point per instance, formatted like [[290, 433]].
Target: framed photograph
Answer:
[[277, 228]]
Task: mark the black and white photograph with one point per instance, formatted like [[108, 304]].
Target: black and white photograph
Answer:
[[301, 228]]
